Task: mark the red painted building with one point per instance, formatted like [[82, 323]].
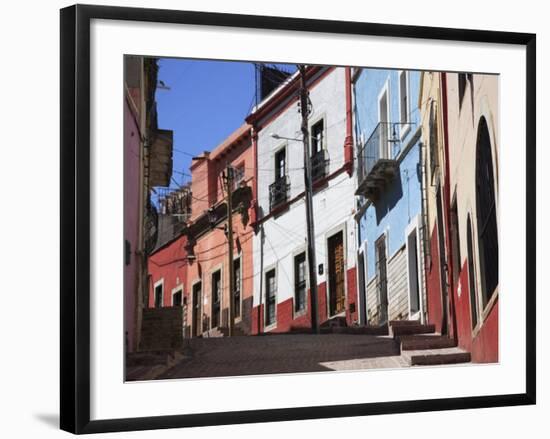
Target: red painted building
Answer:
[[208, 280]]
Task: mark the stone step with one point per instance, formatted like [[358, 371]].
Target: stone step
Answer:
[[360, 330], [432, 357], [339, 321], [400, 330], [425, 341], [394, 323]]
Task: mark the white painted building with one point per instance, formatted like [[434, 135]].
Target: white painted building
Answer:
[[281, 288]]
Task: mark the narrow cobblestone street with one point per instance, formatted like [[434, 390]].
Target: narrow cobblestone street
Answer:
[[287, 353]]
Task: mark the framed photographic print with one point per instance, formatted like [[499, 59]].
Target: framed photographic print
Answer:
[[284, 218]]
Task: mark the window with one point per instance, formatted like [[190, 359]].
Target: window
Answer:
[[280, 164], [271, 297], [159, 292], [317, 137], [471, 273], [177, 298], [434, 139], [238, 286], [455, 242], [300, 282], [319, 156], [412, 260], [384, 119], [216, 298], [404, 97], [278, 190], [486, 213], [238, 176]]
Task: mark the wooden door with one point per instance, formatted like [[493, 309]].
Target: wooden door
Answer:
[[196, 321], [336, 273], [382, 279]]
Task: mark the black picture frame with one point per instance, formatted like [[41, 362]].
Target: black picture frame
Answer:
[[75, 217]]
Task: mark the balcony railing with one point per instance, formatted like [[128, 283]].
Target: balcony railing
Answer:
[[377, 159], [278, 192], [319, 165]]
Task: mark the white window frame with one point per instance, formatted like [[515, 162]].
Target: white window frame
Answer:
[[295, 253], [414, 226], [176, 290], [362, 298], [273, 325], [320, 118], [404, 129], [215, 269], [155, 285], [275, 152], [385, 91], [240, 258]]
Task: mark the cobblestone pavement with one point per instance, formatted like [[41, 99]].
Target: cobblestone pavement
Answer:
[[286, 353]]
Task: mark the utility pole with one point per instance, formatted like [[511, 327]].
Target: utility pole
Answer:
[[312, 264], [229, 183]]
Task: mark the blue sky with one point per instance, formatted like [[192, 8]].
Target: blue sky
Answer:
[[206, 102]]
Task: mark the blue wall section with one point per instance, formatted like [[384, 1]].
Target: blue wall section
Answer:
[[401, 200]]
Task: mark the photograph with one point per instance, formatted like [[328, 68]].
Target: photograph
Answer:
[[303, 218]]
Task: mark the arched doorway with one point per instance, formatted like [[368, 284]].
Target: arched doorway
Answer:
[[486, 213]]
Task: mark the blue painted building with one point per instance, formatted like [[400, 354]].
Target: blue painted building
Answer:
[[389, 195]]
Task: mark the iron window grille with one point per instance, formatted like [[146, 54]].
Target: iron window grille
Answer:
[[278, 192]]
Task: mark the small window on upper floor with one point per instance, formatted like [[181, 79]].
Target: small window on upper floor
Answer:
[[159, 293], [404, 103], [403, 96], [280, 164], [177, 298], [317, 137], [238, 176]]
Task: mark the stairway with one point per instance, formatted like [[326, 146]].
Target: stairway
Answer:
[[222, 331], [421, 346]]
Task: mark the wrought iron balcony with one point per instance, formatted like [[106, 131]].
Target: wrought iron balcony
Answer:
[[377, 159], [278, 192], [319, 165]]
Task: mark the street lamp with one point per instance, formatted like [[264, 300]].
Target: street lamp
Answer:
[[276, 136]]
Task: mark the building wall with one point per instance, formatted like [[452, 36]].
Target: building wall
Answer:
[[168, 265], [398, 291], [132, 167], [479, 101], [462, 119], [284, 235], [431, 98], [399, 205], [211, 247]]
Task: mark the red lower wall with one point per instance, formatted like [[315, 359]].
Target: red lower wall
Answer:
[[286, 321], [484, 345]]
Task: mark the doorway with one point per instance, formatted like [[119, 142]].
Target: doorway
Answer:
[[196, 321], [442, 264], [413, 275], [382, 279], [336, 274]]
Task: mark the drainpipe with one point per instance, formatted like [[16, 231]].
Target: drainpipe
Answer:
[[424, 226], [446, 201], [348, 142], [254, 211]]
